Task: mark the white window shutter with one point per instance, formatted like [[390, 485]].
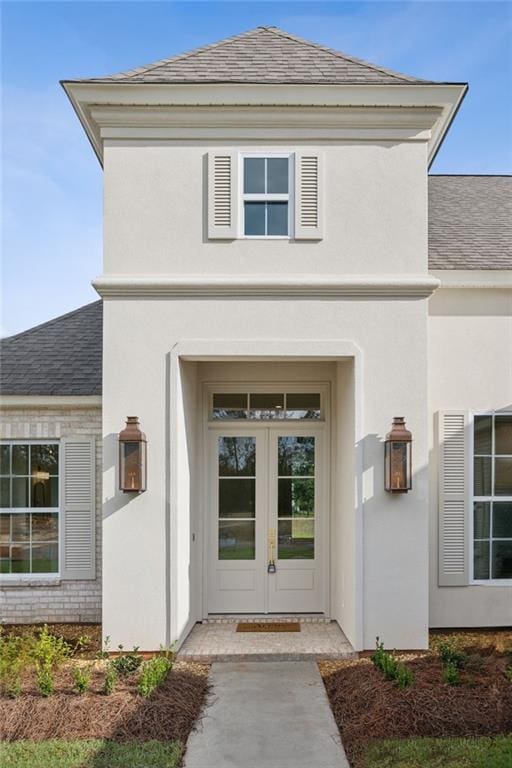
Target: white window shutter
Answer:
[[78, 508], [308, 196], [454, 511], [222, 195]]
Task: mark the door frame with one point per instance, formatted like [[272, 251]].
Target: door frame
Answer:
[[321, 425]]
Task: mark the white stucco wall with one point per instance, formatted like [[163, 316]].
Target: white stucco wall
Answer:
[[470, 368]]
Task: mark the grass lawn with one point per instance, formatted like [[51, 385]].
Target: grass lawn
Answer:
[[90, 753], [480, 752]]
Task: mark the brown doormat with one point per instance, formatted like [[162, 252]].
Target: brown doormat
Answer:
[[268, 626]]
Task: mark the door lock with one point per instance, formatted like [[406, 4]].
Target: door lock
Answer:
[[271, 541]]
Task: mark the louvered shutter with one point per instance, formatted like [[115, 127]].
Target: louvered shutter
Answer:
[[78, 508], [222, 195], [308, 196], [454, 474]]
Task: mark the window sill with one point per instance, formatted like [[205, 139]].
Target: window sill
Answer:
[[30, 582], [491, 583]]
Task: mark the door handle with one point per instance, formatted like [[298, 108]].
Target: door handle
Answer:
[[271, 544]]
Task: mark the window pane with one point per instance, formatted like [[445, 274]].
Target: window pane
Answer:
[[503, 435], [266, 406], [296, 498], [254, 175], [45, 558], [45, 493], [483, 435], [5, 561], [502, 520], [254, 215], [20, 459], [502, 560], [237, 497], [45, 527], [44, 458], [236, 540], [482, 477], [5, 459], [5, 492], [230, 406], [20, 492], [296, 539], [237, 456], [296, 456], [20, 559], [277, 175], [5, 528], [481, 560], [303, 406], [277, 219], [481, 520], [503, 477], [21, 527]]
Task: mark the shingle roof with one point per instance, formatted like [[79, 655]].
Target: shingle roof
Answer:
[[60, 357], [261, 55], [470, 222]]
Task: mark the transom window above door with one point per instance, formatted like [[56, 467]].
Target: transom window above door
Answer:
[[266, 196], [266, 405]]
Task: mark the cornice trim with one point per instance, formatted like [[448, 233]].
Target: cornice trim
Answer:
[[254, 286]]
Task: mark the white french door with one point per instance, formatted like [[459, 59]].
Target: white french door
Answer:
[[266, 519]]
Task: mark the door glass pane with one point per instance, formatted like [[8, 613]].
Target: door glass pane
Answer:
[[230, 405], [503, 477], [481, 520], [5, 459], [277, 219], [20, 459], [296, 540], [481, 560], [277, 175], [237, 456], [501, 520], [503, 435], [303, 406], [254, 217], [254, 175], [296, 456], [266, 406], [502, 560], [237, 497], [236, 540], [482, 477], [483, 435], [296, 498]]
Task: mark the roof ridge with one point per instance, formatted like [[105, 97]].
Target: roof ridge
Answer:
[[51, 321], [340, 54]]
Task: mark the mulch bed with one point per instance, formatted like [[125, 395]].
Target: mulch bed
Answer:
[[124, 716], [70, 632], [368, 707]]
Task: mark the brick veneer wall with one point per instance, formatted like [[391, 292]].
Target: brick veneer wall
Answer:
[[53, 600]]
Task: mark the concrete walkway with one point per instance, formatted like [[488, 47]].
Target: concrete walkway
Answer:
[[266, 715]]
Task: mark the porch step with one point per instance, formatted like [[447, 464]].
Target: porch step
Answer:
[[217, 640]]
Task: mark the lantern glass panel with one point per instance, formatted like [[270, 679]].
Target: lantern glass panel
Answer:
[[131, 466], [398, 465]]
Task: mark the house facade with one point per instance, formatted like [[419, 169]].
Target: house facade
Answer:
[[281, 279]]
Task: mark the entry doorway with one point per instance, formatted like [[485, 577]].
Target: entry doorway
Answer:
[[267, 514]]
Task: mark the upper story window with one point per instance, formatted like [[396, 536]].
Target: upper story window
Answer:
[[29, 508], [492, 496], [266, 204]]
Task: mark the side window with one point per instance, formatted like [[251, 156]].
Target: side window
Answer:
[[266, 196], [492, 497]]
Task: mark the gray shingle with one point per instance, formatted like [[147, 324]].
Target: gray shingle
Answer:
[[470, 222], [261, 55], [60, 357]]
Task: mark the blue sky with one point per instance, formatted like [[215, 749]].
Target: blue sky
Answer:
[[52, 184]]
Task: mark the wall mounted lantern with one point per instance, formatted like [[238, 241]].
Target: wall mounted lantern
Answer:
[[132, 457], [397, 464]]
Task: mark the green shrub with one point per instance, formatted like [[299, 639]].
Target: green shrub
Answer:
[[127, 663], [103, 653], [404, 676], [47, 653], [153, 674], [391, 668], [451, 674], [82, 678], [111, 678], [45, 680], [451, 655], [14, 659]]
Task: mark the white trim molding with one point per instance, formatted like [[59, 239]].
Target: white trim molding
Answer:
[[50, 401], [261, 286]]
